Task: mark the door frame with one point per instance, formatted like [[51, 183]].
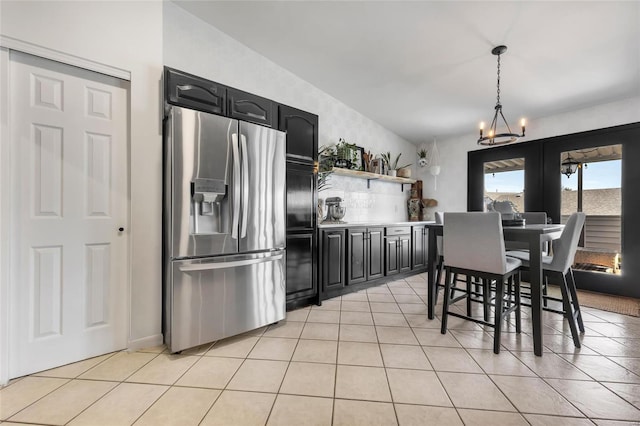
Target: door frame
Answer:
[[7, 243]]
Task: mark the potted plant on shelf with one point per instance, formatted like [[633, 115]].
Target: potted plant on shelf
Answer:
[[326, 161], [422, 157], [392, 166], [346, 154]]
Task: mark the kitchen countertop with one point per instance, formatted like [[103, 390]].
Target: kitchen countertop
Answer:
[[356, 224]]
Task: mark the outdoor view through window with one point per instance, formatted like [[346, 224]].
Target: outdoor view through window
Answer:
[[591, 183], [504, 181]]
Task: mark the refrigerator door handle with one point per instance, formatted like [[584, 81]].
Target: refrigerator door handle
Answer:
[[245, 184], [236, 186], [226, 265]]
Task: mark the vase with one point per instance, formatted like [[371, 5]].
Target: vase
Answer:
[[392, 173], [413, 207], [320, 210]]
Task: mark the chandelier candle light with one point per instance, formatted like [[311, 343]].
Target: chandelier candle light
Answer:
[[493, 137]]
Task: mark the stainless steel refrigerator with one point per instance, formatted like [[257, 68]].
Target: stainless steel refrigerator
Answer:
[[224, 236]]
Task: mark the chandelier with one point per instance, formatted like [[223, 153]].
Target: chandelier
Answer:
[[493, 137], [569, 166]]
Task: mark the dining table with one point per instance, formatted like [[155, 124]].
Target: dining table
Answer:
[[532, 235]]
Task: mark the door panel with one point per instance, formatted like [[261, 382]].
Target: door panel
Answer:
[[391, 255], [333, 258], [302, 133], [301, 269], [301, 194], [405, 253], [419, 252], [263, 208], [69, 284], [376, 253], [241, 293], [356, 255], [248, 107], [204, 169]]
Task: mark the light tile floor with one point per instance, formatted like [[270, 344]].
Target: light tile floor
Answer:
[[362, 359]]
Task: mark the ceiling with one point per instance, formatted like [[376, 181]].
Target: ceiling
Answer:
[[587, 155], [424, 69]]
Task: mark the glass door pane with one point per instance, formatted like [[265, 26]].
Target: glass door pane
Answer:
[[504, 182], [591, 183]]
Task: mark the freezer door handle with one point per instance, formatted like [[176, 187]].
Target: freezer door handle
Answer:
[[225, 265], [245, 185], [236, 186]]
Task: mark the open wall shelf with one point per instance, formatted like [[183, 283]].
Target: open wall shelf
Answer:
[[373, 176]]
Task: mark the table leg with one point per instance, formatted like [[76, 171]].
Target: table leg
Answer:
[[432, 255], [535, 272]]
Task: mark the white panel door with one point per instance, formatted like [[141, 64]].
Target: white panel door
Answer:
[[69, 262]]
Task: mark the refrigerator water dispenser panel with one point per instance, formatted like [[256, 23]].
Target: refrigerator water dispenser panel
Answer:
[[206, 196]]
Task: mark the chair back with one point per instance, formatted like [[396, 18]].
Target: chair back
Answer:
[[531, 218], [564, 248], [534, 218], [439, 221], [474, 241]]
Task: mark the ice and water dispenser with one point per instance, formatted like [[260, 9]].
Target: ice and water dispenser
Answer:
[[207, 197]]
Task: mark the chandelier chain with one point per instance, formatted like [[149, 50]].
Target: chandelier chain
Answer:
[[498, 84]]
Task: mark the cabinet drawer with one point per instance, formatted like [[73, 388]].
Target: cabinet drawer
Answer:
[[397, 230]]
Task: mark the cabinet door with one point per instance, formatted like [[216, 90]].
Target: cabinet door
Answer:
[[375, 267], [187, 90], [356, 255], [301, 197], [248, 107], [302, 133], [392, 265], [404, 250], [301, 265], [419, 252], [333, 258]]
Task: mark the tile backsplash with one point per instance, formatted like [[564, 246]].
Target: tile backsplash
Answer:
[[382, 202]]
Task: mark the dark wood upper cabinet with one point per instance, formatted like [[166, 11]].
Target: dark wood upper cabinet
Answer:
[[190, 91], [302, 133], [248, 107]]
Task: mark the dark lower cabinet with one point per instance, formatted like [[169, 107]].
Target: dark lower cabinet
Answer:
[[333, 260], [419, 247], [392, 266], [397, 254], [364, 254], [302, 274]]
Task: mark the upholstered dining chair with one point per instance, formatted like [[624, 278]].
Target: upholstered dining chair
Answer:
[[474, 246], [559, 264]]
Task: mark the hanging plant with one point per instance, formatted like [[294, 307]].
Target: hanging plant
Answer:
[[422, 157]]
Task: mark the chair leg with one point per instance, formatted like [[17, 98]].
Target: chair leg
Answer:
[[486, 297], [445, 302], [468, 295], [574, 300], [517, 297], [545, 284], [568, 311], [439, 268], [498, 315]]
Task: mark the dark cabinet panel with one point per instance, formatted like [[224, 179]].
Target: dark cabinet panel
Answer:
[[301, 266], [404, 252], [333, 259], [376, 253], [190, 91], [302, 133], [357, 255], [248, 107], [301, 197], [419, 249], [391, 256]]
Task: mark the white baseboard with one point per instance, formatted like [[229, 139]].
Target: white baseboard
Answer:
[[145, 342]]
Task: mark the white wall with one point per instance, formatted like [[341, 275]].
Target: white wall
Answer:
[[451, 190], [125, 35], [193, 46]]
